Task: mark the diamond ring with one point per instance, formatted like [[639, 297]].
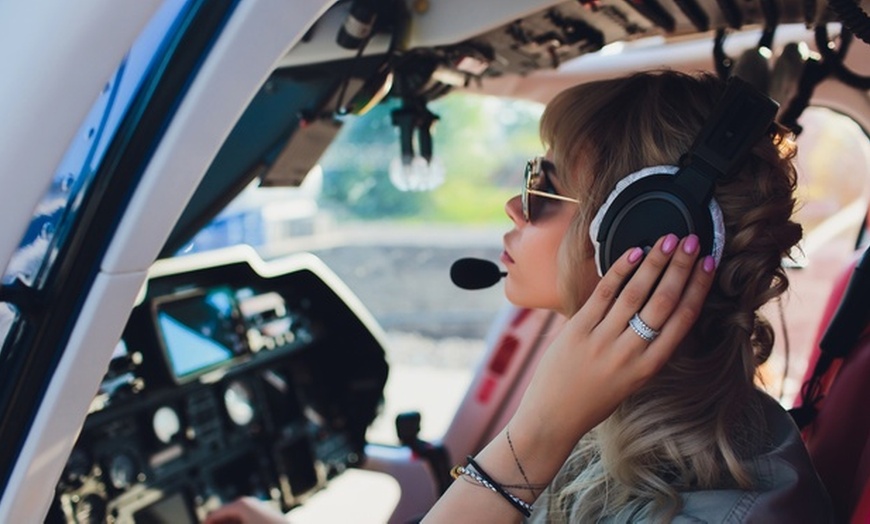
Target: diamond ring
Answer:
[[642, 329]]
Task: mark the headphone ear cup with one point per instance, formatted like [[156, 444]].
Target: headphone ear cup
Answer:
[[644, 211]]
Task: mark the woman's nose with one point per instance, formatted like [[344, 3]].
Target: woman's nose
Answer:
[[514, 209]]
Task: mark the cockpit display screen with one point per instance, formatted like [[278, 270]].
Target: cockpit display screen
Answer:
[[200, 331]]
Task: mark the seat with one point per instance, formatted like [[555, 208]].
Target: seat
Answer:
[[833, 409]]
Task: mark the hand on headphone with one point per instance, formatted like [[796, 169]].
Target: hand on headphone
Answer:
[[598, 359]]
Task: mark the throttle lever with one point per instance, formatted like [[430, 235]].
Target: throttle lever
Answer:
[[408, 431]]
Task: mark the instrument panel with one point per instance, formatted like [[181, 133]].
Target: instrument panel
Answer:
[[234, 377]]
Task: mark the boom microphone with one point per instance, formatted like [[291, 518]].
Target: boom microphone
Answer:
[[474, 273]]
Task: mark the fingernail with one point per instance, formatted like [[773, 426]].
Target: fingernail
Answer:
[[691, 244], [670, 243], [635, 255], [709, 264]]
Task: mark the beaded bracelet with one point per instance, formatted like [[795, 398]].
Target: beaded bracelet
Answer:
[[482, 478], [522, 506]]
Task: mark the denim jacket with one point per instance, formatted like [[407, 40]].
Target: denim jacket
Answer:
[[787, 486]]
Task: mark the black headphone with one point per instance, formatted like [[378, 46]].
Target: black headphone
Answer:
[[658, 200]]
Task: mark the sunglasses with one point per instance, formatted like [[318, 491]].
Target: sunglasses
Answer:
[[537, 183]]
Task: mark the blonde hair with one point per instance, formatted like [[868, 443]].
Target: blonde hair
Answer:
[[692, 427]]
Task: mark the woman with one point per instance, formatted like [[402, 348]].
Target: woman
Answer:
[[644, 408], [698, 440]]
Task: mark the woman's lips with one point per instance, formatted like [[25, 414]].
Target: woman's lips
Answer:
[[506, 258]]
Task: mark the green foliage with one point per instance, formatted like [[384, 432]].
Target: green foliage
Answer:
[[355, 169], [464, 201], [483, 143]]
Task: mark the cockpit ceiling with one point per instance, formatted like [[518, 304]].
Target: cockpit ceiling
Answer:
[[544, 35]]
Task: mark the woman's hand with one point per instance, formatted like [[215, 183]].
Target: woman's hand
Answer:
[[598, 359], [247, 510]]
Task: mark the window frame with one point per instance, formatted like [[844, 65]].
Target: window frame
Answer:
[[35, 345]]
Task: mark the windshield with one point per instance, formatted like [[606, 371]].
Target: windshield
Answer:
[[393, 246]]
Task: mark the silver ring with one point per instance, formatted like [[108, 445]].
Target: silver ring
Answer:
[[642, 329]]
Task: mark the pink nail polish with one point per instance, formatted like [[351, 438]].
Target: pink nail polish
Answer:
[[709, 264], [670, 244], [635, 255], [691, 244]]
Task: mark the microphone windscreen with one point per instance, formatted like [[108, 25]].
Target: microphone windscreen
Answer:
[[474, 273]]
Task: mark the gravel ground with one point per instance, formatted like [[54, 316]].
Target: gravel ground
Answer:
[[408, 288], [428, 320], [402, 275]]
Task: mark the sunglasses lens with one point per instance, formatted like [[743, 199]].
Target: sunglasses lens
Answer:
[[535, 180], [538, 190], [527, 184]]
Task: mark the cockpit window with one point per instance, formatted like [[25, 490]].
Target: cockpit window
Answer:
[[393, 245], [833, 192], [31, 266], [480, 146], [43, 289], [8, 315], [833, 160], [54, 215]]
